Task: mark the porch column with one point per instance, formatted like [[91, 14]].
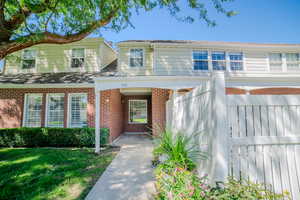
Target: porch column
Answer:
[[97, 120]]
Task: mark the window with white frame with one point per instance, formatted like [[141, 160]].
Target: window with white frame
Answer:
[[218, 60], [29, 58], [200, 60], [292, 61], [77, 58], [32, 110], [138, 112], [236, 61], [55, 110], [136, 58], [77, 110], [275, 60]]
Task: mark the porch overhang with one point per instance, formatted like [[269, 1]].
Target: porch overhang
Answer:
[[164, 82]]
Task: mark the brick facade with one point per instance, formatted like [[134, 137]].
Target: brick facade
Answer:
[[12, 103], [159, 98]]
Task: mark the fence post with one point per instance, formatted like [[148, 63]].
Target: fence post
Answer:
[[219, 129]]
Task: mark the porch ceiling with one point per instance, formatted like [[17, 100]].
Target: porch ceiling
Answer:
[[136, 91]]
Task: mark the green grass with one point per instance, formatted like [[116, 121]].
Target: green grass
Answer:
[[45, 173]]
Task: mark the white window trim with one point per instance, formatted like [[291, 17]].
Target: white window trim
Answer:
[[242, 61], [144, 61], [71, 57], [36, 59], [208, 60], [47, 106], [225, 60], [25, 103], [269, 63], [286, 62], [143, 100], [69, 107]]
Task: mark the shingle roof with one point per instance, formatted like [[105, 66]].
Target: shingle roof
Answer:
[[208, 42], [48, 78]]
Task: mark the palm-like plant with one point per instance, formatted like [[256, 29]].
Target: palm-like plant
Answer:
[[178, 148]]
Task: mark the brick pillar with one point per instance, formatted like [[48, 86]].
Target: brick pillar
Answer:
[[159, 98]]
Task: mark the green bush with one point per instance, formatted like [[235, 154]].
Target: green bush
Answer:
[[176, 183], [178, 148], [51, 137]]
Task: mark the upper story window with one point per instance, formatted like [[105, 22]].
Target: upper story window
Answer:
[[292, 61], [29, 59], [78, 110], [55, 110], [200, 60], [77, 58], [275, 60], [32, 110], [218, 60], [236, 61], [136, 58]]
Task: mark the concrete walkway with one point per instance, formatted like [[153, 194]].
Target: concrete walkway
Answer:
[[129, 176]]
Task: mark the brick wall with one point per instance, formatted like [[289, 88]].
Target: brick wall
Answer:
[[159, 98], [12, 102]]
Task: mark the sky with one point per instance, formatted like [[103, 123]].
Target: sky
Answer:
[[264, 21]]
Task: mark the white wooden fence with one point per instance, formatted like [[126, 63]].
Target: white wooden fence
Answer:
[[265, 138], [256, 137]]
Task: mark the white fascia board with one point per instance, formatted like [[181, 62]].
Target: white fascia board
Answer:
[[73, 85]]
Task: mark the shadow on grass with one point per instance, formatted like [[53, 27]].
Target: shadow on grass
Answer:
[[44, 173]]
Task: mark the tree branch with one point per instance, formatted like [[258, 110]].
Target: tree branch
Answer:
[[51, 38]]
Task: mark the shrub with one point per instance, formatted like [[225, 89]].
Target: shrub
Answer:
[[175, 183], [178, 148], [51, 137]]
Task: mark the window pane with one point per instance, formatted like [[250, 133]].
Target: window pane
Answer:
[[138, 111], [32, 115], [218, 55], [55, 117], [219, 65], [292, 57], [29, 54], [200, 65], [236, 56], [78, 53], [136, 57], [236, 66], [78, 110], [77, 62], [236, 61], [28, 64], [200, 55], [275, 57]]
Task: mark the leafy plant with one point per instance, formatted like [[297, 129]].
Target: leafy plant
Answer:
[[178, 148]]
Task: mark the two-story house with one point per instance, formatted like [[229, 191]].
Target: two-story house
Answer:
[[81, 84]]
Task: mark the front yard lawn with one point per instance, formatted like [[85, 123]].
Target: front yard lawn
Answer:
[[49, 173]]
